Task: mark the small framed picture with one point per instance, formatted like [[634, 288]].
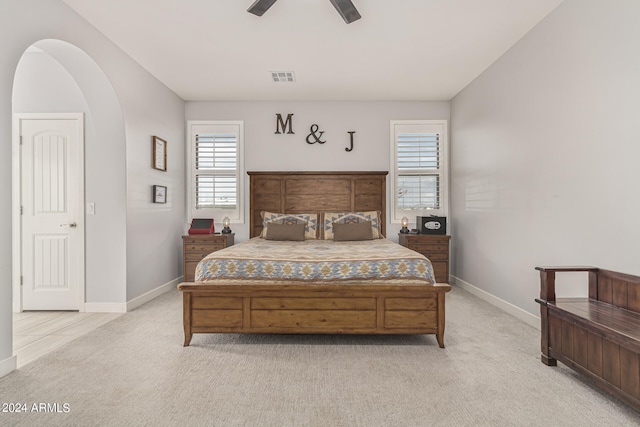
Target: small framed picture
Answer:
[[159, 154], [159, 194]]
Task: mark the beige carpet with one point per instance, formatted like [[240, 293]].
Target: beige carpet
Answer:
[[134, 371]]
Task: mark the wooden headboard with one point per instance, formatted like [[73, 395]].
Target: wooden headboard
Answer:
[[311, 192]]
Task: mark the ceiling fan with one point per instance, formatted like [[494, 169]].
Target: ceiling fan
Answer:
[[345, 8]]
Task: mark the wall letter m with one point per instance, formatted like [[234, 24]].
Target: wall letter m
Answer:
[[282, 125]]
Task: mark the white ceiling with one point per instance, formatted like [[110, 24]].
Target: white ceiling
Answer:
[[209, 50]]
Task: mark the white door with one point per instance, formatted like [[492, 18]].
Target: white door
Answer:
[[52, 201]]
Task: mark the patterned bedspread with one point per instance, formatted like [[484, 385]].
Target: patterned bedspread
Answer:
[[315, 262]]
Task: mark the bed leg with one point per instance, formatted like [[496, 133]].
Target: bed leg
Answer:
[[440, 339], [440, 334], [187, 339], [186, 321]]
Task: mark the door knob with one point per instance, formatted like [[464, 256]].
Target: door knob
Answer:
[[72, 225]]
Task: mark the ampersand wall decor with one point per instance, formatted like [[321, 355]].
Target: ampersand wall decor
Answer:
[[316, 137]]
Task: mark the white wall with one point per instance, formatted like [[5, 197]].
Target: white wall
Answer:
[[154, 243], [42, 85], [265, 151], [148, 108], [545, 146]]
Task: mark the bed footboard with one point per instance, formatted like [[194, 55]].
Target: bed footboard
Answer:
[[294, 309]]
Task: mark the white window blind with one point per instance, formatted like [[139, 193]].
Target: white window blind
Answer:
[[418, 163], [418, 171], [216, 167], [215, 182]]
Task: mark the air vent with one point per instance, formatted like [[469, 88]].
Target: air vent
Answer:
[[283, 76]]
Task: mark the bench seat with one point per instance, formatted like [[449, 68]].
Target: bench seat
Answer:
[[594, 335], [608, 319]]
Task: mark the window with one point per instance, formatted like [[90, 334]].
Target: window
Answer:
[[215, 170], [419, 168]]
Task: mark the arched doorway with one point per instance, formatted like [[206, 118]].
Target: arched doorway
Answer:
[[49, 112], [57, 77], [89, 91]]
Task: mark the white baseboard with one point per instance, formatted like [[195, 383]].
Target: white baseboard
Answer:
[[122, 307], [8, 365], [146, 297], [503, 305], [105, 307]]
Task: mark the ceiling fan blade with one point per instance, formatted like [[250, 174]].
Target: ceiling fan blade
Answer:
[[347, 10], [259, 7]]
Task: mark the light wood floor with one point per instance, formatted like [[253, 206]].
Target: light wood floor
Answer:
[[36, 333]]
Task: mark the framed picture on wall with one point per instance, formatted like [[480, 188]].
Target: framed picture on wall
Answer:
[[159, 154], [159, 194]]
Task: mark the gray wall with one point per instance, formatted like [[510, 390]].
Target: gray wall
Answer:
[[544, 154], [264, 150], [148, 108]]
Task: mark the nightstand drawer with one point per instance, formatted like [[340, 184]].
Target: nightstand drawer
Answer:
[[200, 247], [428, 247], [190, 240], [430, 238], [190, 270], [436, 256], [195, 256], [441, 271]]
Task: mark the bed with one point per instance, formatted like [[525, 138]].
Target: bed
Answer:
[[262, 286]]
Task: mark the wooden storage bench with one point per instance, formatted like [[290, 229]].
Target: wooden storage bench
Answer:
[[598, 336]]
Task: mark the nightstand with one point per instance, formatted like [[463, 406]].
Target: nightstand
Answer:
[[197, 246], [435, 247]]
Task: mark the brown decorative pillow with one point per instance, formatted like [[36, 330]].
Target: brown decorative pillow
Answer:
[[352, 231], [293, 232], [329, 218], [310, 220]]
